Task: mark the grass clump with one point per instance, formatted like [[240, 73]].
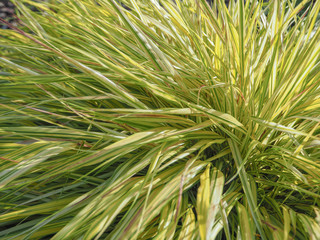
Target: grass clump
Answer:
[[160, 120]]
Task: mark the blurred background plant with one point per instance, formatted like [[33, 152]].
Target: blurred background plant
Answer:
[[182, 120]]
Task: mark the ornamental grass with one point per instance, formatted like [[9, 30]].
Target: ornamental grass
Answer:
[[147, 119]]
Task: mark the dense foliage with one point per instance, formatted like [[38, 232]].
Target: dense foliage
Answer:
[[160, 120]]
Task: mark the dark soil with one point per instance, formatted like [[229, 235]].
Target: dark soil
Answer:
[[7, 10]]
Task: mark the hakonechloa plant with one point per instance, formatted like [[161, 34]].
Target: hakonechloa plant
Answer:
[[144, 119]]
